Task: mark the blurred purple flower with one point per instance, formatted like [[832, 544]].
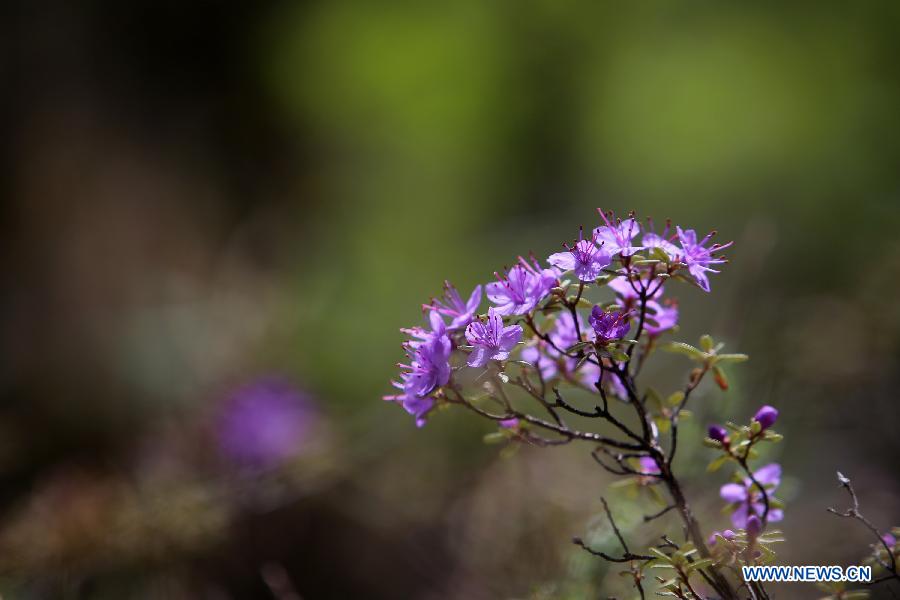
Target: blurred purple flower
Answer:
[[509, 423], [648, 465], [265, 422], [754, 526], [717, 432], [491, 340], [726, 533], [889, 539], [585, 258], [452, 305], [563, 335], [609, 326], [766, 416], [698, 257], [523, 287], [749, 502], [626, 295], [654, 240], [665, 316]]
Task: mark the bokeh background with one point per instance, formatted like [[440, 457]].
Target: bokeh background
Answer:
[[218, 214]]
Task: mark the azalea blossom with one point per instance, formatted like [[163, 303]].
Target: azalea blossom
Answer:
[[547, 358], [698, 257], [491, 340], [616, 236], [748, 499], [663, 316], [523, 287], [609, 326], [585, 258], [428, 369], [452, 305]]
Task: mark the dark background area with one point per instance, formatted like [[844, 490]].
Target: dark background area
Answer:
[[201, 194]]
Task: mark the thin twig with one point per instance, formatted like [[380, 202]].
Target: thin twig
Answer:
[[853, 513]]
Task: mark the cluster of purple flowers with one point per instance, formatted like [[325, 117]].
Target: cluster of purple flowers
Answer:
[[527, 289]]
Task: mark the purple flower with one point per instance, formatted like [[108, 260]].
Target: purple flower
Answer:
[[726, 533], [609, 326], [265, 422], [509, 423], [492, 341], [666, 317], [452, 305], [421, 335], [617, 235], [653, 240], [625, 290], [754, 526], [766, 416], [564, 334], [717, 432], [429, 368], [698, 257], [648, 471], [614, 384], [585, 258], [749, 499], [523, 287], [890, 540]]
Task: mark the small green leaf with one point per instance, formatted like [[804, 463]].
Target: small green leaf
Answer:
[[495, 437], [675, 398], [717, 463], [700, 564], [686, 349], [618, 355], [659, 254], [706, 342], [732, 358], [663, 557], [577, 346]]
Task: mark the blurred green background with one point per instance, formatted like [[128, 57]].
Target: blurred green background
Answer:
[[199, 194]]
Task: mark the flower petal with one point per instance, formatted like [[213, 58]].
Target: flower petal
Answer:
[[769, 474], [510, 336], [563, 260], [733, 492]]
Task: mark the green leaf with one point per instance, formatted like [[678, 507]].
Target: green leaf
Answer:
[[675, 398], [659, 254], [577, 346], [618, 355], [717, 463], [706, 342], [700, 564], [685, 349], [663, 557], [496, 437], [732, 358]]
